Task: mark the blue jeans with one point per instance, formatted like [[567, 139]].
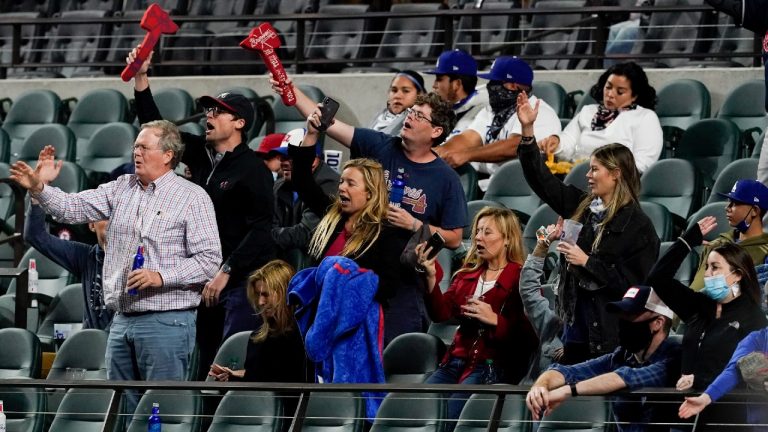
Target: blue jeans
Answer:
[[152, 347], [450, 374]]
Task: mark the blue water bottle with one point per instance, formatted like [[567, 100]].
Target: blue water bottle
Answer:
[[138, 263], [398, 188], [155, 424]]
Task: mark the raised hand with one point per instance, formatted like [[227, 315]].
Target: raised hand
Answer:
[[48, 168], [144, 66], [525, 112], [707, 224], [26, 177]]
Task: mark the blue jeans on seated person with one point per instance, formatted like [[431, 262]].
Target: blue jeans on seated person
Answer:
[[151, 347], [449, 373]]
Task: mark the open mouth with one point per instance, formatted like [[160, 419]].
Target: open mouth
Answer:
[[344, 199], [208, 127], [407, 124]]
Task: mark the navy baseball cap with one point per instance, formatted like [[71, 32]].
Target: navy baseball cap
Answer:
[[639, 298], [750, 192], [235, 103], [510, 69], [454, 62]]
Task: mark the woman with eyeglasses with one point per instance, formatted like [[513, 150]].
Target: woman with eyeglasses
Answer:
[[716, 318], [403, 89]]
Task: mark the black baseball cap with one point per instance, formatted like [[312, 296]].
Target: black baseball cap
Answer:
[[235, 103]]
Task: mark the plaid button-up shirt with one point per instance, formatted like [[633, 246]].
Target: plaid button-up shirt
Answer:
[[172, 218]]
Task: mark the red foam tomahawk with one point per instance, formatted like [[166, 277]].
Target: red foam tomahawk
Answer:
[[156, 22], [264, 40]]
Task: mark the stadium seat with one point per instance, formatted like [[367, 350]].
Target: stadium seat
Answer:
[[76, 43], [84, 349], [509, 188], [562, 41], [52, 278], [553, 94], [5, 147], [31, 37], [677, 33], [21, 356], [494, 30], [248, 411], [413, 37], [333, 412], [286, 29], [673, 183], [59, 136], [66, 308], [477, 412], [173, 7], [586, 99], [224, 48], [577, 176], [180, 410], [213, 8], [71, 179], [759, 145], [412, 357], [661, 219], [7, 197], [185, 46], [689, 266], [716, 209], [588, 414], [24, 409], [109, 147], [736, 170], [338, 39], [82, 410], [542, 216], [125, 37], [410, 412], [474, 207], [30, 111], [710, 145], [682, 102], [45, 7], [444, 330], [232, 352], [745, 106], [468, 177], [95, 109], [288, 118], [730, 38]]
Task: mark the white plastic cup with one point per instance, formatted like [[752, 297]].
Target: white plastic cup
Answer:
[[571, 230], [333, 159]]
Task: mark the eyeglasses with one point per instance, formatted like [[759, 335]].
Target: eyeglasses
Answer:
[[143, 149], [216, 110], [418, 115]]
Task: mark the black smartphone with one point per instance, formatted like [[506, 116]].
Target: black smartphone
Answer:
[[436, 242], [327, 113]]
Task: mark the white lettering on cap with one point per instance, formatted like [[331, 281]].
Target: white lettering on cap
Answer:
[[733, 189], [455, 68], [509, 76], [631, 293], [223, 95]]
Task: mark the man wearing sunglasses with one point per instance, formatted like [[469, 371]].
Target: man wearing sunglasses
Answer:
[[240, 186]]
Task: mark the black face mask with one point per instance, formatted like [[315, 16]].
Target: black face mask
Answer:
[[635, 336], [501, 98]]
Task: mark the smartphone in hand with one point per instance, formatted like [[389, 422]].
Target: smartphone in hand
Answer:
[[436, 242], [327, 113]]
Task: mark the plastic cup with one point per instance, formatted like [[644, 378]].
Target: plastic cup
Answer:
[[476, 297], [571, 230], [76, 374]]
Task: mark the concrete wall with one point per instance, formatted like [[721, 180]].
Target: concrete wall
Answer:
[[363, 95]]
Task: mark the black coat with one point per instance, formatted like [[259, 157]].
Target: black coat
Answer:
[[626, 253]]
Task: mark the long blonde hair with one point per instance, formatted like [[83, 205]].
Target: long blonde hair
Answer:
[[509, 227], [614, 157], [274, 276], [368, 224]]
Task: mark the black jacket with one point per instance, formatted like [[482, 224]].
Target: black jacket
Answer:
[[241, 190], [708, 342], [626, 253]]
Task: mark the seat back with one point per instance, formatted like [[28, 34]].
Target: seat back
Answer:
[[224, 48], [248, 411], [688, 268], [716, 209], [95, 109], [68, 43], [673, 183], [334, 412], [736, 170], [509, 188], [7, 198], [553, 94], [558, 43], [577, 176], [31, 110], [66, 308], [661, 219], [412, 357], [410, 412], [474, 207], [339, 39], [110, 146], [52, 278], [710, 145], [31, 38], [59, 136], [71, 179], [588, 414], [745, 106], [179, 409], [542, 216], [21, 355], [288, 118], [477, 413], [414, 37], [24, 409], [232, 352], [82, 410], [82, 349], [174, 103], [683, 102], [445, 330], [494, 30], [468, 178], [672, 33]]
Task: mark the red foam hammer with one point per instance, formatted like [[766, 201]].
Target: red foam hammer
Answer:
[[264, 40], [155, 21]]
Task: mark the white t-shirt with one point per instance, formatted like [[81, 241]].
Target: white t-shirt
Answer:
[[638, 129], [468, 111], [547, 123]]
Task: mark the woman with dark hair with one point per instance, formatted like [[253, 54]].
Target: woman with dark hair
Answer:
[[403, 89], [624, 114], [717, 318], [614, 250]]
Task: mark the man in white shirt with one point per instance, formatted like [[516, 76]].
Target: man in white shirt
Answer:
[[494, 135], [455, 83]]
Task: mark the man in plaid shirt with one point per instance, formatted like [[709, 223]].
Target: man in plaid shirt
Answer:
[[153, 331], [645, 358]]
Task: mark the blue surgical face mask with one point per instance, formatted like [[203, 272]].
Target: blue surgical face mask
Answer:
[[715, 287], [743, 226]]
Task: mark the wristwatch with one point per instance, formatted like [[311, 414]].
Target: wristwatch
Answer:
[[574, 392], [527, 140], [225, 268]]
